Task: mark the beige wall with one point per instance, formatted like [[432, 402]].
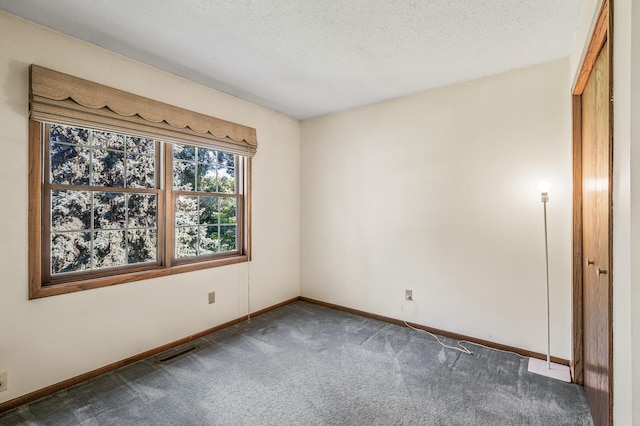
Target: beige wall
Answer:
[[626, 212], [437, 192], [48, 340], [635, 202]]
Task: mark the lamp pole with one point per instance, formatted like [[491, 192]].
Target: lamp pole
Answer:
[[544, 197]]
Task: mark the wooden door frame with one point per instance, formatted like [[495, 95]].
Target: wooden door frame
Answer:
[[602, 33]]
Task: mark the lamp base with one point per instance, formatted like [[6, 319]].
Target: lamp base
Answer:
[[557, 371]]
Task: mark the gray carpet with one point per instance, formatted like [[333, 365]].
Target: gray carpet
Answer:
[[304, 364]]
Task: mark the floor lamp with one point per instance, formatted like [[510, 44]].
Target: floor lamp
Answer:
[[544, 188], [536, 365]]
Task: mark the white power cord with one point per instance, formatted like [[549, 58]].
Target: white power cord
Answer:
[[493, 349], [248, 291], [460, 347]]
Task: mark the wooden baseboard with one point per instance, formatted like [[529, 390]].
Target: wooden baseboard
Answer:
[[439, 332], [41, 393]]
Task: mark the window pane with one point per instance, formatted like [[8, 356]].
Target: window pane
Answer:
[[184, 176], [209, 242], [140, 145], [184, 152], [67, 134], [140, 171], [109, 249], [108, 210], [107, 168], [226, 180], [142, 210], [228, 208], [227, 238], [108, 140], [226, 159], [186, 210], [69, 164], [207, 155], [70, 210], [206, 178], [186, 241], [70, 252], [208, 210], [143, 245]]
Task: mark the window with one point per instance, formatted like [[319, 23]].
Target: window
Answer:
[[101, 201], [114, 199], [206, 201]]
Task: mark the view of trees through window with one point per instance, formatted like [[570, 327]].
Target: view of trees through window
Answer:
[[104, 200], [205, 223], [103, 204]]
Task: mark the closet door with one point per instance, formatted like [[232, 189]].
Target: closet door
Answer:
[[596, 216]]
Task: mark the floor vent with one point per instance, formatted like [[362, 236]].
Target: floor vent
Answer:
[[166, 357]]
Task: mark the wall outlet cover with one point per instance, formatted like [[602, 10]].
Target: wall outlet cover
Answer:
[[408, 294], [212, 297]]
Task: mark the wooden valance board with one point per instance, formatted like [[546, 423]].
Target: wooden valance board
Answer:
[[60, 98]]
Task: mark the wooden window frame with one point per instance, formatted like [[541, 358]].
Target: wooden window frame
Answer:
[[171, 194], [48, 187], [236, 139]]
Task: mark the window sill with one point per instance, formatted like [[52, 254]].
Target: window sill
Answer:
[[87, 284]]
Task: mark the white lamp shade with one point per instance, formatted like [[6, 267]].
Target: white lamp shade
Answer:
[[544, 187]]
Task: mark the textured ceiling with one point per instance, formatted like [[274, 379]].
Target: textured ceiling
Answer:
[[306, 58]]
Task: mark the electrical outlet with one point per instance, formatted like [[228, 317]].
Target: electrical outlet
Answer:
[[212, 297], [408, 294], [4, 385]]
